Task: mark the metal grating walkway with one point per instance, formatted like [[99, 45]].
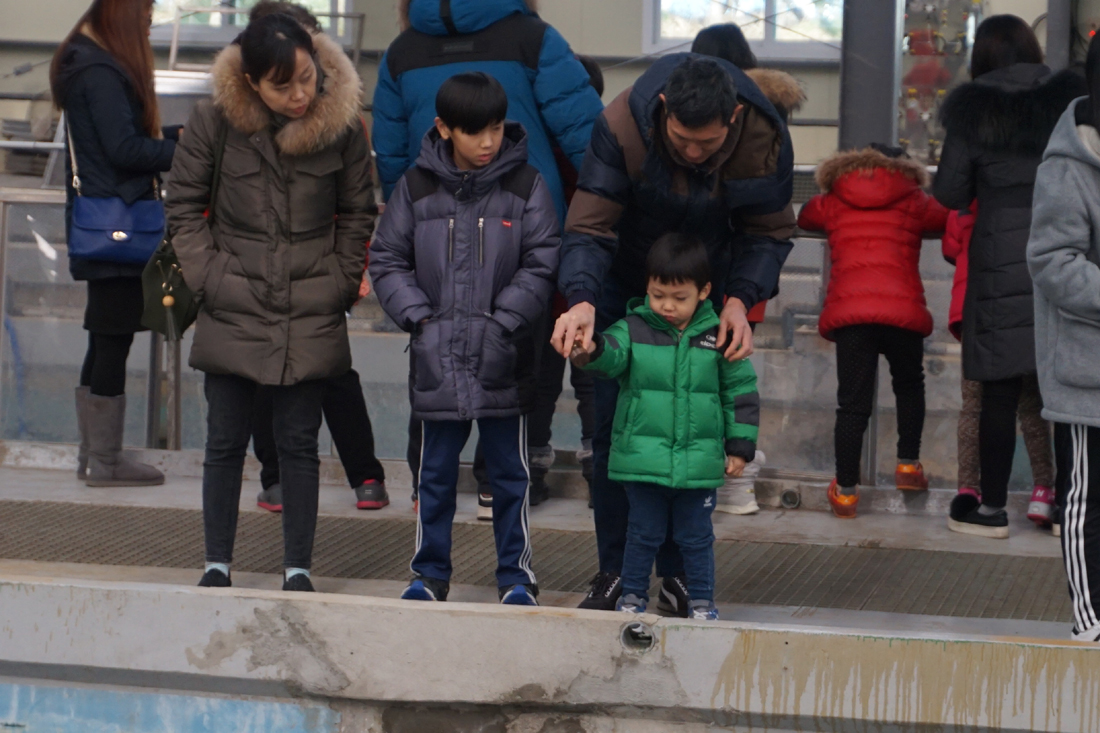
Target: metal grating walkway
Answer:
[[854, 578]]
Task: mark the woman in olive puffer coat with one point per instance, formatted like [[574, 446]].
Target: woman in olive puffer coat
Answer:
[[279, 265]]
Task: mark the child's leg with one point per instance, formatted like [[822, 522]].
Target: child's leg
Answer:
[[856, 370], [969, 465], [438, 481], [1036, 432], [694, 533], [646, 530], [1078, 451], [904, 351], [504, 443]]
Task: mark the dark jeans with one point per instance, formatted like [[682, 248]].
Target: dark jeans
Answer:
[[1077, 450], [296, 420], [610, 508], [104, 369], [653, 509], [345, 412], [857, 351], [997, 438], [504, 442]]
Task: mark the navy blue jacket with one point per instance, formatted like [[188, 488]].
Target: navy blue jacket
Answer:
[[633, 188], [548, 89], [465, 260], [115, 154]]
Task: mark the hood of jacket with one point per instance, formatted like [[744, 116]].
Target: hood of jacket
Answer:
[[436, 156], [83, 53], [336, 106], [1013, 109], [705, 318], [452, 17], [1074, 139], [781, 89], [867, 179]]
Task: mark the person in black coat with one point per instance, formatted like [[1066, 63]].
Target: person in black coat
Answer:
[[997, 128], [102, 79]]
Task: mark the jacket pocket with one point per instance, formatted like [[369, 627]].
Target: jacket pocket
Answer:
[[1075, 355], [427, 357], [498, 358], [313, 191]]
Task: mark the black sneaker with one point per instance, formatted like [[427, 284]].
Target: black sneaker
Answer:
[[604, 593], [485, 506], [966, 519], [215, 579], [371, 495], [674, 597], [540, 491], [426, 589], [271, 499], [299, 582]]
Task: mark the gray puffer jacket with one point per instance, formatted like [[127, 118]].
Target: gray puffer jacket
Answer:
[[466, 261], [1063, 255]]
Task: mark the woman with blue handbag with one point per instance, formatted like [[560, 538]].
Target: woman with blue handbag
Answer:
[[102, 78]]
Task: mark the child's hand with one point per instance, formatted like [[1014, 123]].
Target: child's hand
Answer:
[[579, 355], [735, 465]]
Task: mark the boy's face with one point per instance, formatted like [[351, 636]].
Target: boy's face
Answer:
[[473, 150], [676, 302]]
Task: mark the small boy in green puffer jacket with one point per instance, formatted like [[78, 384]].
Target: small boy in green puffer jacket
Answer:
[[686, 418]]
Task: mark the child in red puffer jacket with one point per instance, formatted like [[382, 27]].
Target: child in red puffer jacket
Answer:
[[876, 213]]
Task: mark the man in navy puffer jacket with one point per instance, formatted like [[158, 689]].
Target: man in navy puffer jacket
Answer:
[[548, 89], [465, 258]]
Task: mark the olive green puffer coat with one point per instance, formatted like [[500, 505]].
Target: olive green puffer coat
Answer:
[[682, 407]]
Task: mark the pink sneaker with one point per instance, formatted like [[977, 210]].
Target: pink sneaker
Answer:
[[1041, 508], [970, 491]]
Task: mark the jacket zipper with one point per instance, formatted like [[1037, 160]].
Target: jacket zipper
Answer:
[[451, 240], [481, 241]]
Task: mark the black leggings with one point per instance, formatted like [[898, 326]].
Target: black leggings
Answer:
[[857, 350], [997, 438], [104, 367]]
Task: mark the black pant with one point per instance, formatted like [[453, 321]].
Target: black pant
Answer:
[[104, 369], [1077, 453], [997, 438], [345, 412], [296, 419], [857, 351], [551, 374]]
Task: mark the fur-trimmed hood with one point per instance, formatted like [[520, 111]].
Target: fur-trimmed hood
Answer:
[[868, 159], [781, 89], [867, 179], [335, 107], [1013, 109]]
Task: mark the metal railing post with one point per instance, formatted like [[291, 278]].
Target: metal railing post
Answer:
[[152, 390], [175, 403]]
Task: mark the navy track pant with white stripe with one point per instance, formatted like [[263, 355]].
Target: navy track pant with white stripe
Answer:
[[504, 443], [1077, 451]]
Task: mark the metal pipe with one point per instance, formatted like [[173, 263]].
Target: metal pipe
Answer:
[[31, 146], [1059, 33], [152, 390], [870, 72], [175, 403]]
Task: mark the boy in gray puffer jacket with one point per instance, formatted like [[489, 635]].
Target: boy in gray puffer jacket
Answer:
[[465, 259]]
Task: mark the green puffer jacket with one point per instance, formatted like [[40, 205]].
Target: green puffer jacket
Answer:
[[683, 407]]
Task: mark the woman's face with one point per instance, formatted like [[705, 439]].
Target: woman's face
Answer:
[[292, 98]]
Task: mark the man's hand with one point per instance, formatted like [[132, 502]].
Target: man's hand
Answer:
[[575, 325], [734, 322], [734, 466], [364, 286]]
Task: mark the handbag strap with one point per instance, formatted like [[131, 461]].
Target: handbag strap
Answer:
[[76, 168]]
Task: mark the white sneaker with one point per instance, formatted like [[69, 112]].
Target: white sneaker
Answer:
[[1092, 634], [738, 495]]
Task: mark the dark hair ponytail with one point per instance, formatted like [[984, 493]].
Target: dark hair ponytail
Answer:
[[270, 44]]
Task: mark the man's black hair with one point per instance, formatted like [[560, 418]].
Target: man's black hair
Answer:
[[699, 92], [471, 102], [270, 44], [678, 258]]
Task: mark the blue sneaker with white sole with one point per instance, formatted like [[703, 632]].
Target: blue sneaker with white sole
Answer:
[[630, 603], [518, 595], [704, 611], [426, 589]]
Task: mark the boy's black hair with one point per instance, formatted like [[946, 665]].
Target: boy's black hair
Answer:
[[678, 258], [471, 102], [270, 44], [725, 41], [699, 92], [595, 73]]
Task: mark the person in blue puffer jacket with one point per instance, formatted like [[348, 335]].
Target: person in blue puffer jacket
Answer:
[[548, 88]]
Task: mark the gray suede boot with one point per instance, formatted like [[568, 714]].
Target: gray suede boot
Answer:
[[106, 464], [82, 425]]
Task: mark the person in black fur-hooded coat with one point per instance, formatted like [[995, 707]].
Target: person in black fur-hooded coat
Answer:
[[997, 128]]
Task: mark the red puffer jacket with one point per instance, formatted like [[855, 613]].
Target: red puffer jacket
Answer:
[[875, 214], [956, 250]]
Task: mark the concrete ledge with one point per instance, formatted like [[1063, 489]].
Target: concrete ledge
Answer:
[[391, 653]]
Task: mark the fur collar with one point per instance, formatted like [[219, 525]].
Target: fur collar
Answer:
[[998, 117], [781, 89], [850, 161], [335, 108]]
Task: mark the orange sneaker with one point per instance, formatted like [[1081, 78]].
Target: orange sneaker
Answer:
[[844, 506], [910, 477]]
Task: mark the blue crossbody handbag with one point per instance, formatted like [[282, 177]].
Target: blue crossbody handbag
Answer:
[[109, 229]]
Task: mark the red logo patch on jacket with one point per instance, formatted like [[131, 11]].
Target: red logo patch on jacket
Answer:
[[506, 223]]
